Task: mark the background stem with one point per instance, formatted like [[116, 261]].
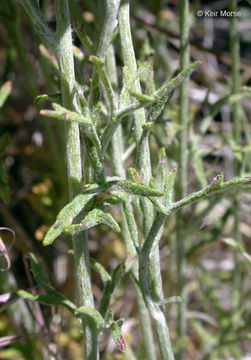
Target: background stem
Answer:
[[182, 171], [236, 135]]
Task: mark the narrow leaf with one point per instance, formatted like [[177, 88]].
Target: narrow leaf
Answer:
[[94, 218], [5, 91], [116, 328], [64, 114], [94, 314], [172, 299], [44, 283], [48, 299], [100, 269], [117, 275], [137, 188], [40, 98]]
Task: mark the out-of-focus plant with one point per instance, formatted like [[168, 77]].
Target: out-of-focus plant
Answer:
[[4, 142]]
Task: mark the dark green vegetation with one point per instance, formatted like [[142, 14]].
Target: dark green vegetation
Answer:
[[124, 181]]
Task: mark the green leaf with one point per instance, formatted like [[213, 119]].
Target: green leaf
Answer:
[[172, 299], [109, 319], [217, 185], [158, 99], [110, 286], [69, 212], [116, 328], [97, 216], [137, 188], [94, 218], [169, 187], [44, 97], [101, 270], [48, 299], [163, 203], [94, 314], [50, 293], [78, 53], [34, 12], [38, 272], [129, 80], [134, 175], [83, 37], [5, 91], [61, 113], [117, 275], [175, 82]]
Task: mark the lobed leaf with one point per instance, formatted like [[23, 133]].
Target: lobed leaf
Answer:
[[69, 212]]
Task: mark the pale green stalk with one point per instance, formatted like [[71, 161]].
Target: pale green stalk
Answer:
[[157, 312], [74, 171], [110, 21], [182, 172], [129, 228], [143, 165]]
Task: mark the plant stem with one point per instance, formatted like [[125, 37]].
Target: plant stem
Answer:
[[129, 59], [236, 135], [182, 170], [74, 171], [157, 312], [130, 236], [235, 57], [143, 164]]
